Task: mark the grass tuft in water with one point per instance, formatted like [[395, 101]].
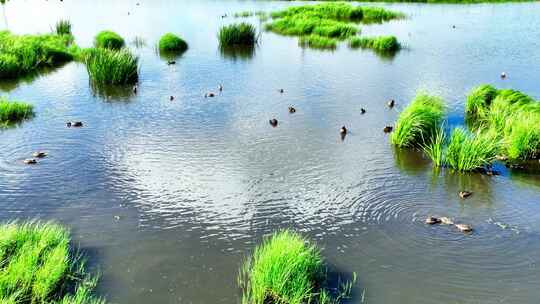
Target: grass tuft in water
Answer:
[[435, 148], [383, 44], [12, 112], [237, 34], [172, 43], [286, 268], [318, 42], [38, 266], [109, 40], [111, 67], [418, 122], [63, 27], [467, 151], [23, 54]]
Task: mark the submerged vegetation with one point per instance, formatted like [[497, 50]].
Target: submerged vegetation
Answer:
[[39, 267], [172, 43], [109, 40], [286, 268], [419, 121], [237, 34], [111, 67], [23, 54], [383, 44], [324, 25], [12, 112]]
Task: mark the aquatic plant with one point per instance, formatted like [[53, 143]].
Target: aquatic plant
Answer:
[[286, 268], [38, 266], [435, 148], [111, 67], [302, 26], [109, 40], [63, 27], [318, 42], [467, 151], [172, 43], [479, 100], [22, 54], [379, 44], [419, 121], [12, 112], [237, 34]]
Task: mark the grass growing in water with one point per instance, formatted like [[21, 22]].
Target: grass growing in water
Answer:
[[285, 269], [467, 152], [317, 42], [111, 67], [12, 112], [418, 122], [109, 40], [172, 43], [435, 148], [63, 27], [237, 34], [38, 266], [23, 54], [383, 44]]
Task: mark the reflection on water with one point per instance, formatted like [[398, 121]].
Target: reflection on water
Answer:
[[112, 92], [238, 52], [197, 182]]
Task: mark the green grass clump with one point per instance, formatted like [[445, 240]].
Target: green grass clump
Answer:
[[418, 122], [318, 42], [303, 26], [286, 268], [380, 44], [237, 34], [172, 43], [63, 27], [23, 54], [109, 40], [12, 112], [38, 266], [435, 148], [111, 67], [339, 11], [467, 152], [512, 115]]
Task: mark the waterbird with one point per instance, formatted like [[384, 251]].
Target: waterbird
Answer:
[[273, 122], [210, 94], [134, 89], [388, 129], [465, 194], [292, 110], [220, 87], [362, 110], [464, 227], [503, 75], [447, 221], [76, 124], [171, 62], [171, 98], [281, 91], [30, 161], [343, 130], [391, 103], [431, 220], [39, 154]]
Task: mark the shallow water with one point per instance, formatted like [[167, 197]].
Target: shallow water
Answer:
[[198, 182]]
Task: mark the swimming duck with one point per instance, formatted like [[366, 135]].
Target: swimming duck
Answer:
[[30, 161], [503, 75], [431, 220], [362, 111], [273, 122], [464, 227], [39, 154], [292, 110], [171, 98], [281, 91], [171, 62], [75, 124], [391, 103], [465, 194], [210, 94], [220, 87], [343, 130], [134, 89], [447, 221], [388, 129]]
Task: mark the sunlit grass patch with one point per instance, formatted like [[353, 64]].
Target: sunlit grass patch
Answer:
[[318, 42], [109, 40], [12, 112], [237, 34], [39, 267], [62, 27], [470, 151], [419, 121], [172, 43], [383, 44], [286, 268], [111, 67]]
